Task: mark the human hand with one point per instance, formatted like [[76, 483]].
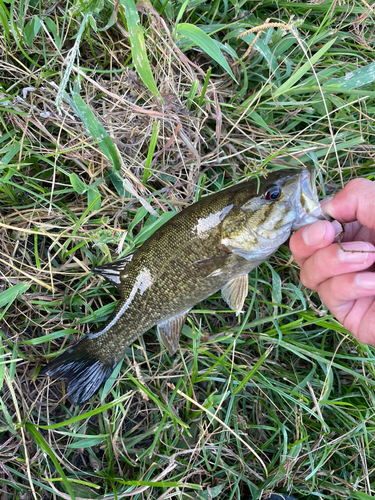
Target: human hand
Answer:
[[344, 280]]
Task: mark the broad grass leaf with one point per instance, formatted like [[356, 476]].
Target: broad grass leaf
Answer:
[[181, 11], [283, 46], [86, 415], [212, 492], [8, 296], [276, 285], [258, 120], [111, 380], [32, 29], [138, 46], [10, 151], [93, 195], [49, 336], [4, 20], [358, 495], [261, 47], [77, 184], [151, 149], [357, 78], [207, 44], [118, 182], [140, 215], [51, 25], [96, 129], [297, 292], [94, 199], [7, 417], [88, 442]]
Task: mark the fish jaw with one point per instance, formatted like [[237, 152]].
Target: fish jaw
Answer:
[[306, 201]]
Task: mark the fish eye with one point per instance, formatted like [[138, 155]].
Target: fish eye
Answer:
[[273, 193]]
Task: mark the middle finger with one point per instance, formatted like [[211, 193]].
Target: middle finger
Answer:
[[333, 260]]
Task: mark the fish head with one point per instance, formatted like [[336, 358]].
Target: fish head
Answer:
[[286, 200]]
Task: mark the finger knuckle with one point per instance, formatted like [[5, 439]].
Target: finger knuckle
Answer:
[[359, 183], [306, 279]]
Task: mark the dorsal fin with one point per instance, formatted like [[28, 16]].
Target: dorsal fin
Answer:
[[113, 272]]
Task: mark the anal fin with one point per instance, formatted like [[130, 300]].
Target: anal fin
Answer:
[[169, 331], [235, 292]]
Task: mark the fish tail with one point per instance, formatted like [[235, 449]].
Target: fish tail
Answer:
[[83, 372]]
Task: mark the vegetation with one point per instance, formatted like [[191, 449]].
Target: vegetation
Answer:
[[112, 116]]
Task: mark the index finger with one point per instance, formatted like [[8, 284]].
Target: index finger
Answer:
[[355, 202], [307, 240]]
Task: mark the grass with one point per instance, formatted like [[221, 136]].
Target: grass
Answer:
[[110, 116]]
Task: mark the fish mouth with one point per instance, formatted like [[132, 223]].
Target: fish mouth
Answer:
[[309, 206]]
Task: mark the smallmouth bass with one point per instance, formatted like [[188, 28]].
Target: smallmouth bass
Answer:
[[211, 245]]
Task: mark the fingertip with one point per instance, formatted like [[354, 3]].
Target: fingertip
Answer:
[[327, 207], [319, 234], [307, 240], [355, 202], [365, 281]]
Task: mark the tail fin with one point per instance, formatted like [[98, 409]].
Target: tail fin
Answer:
[[84, 373]]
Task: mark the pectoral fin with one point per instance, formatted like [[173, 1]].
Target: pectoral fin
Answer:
[[114, 271], [213, 266], [235, 291], [169, 331]]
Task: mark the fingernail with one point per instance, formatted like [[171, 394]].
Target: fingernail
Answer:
[[366, 281], [327, 207], [356, 251], [325, 201], [314, 234]]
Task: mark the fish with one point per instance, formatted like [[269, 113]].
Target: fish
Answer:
[[209, 246]]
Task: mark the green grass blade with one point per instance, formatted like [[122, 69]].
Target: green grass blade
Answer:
[[138, 47], [96, 129], [204, 42], [8, 296], [4, 20], [303, 69], [2, 366], [157, 401], [42, 444], [151, 149], [87, 414]]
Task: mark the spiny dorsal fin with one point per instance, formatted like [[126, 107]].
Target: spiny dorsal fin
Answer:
[[169, 331], [235, 291], [113, 272]]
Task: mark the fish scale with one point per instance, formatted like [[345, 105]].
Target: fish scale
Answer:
[[211, 245]]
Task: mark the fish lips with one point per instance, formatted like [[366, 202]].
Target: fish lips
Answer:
[[309, 219], [309, 207]]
